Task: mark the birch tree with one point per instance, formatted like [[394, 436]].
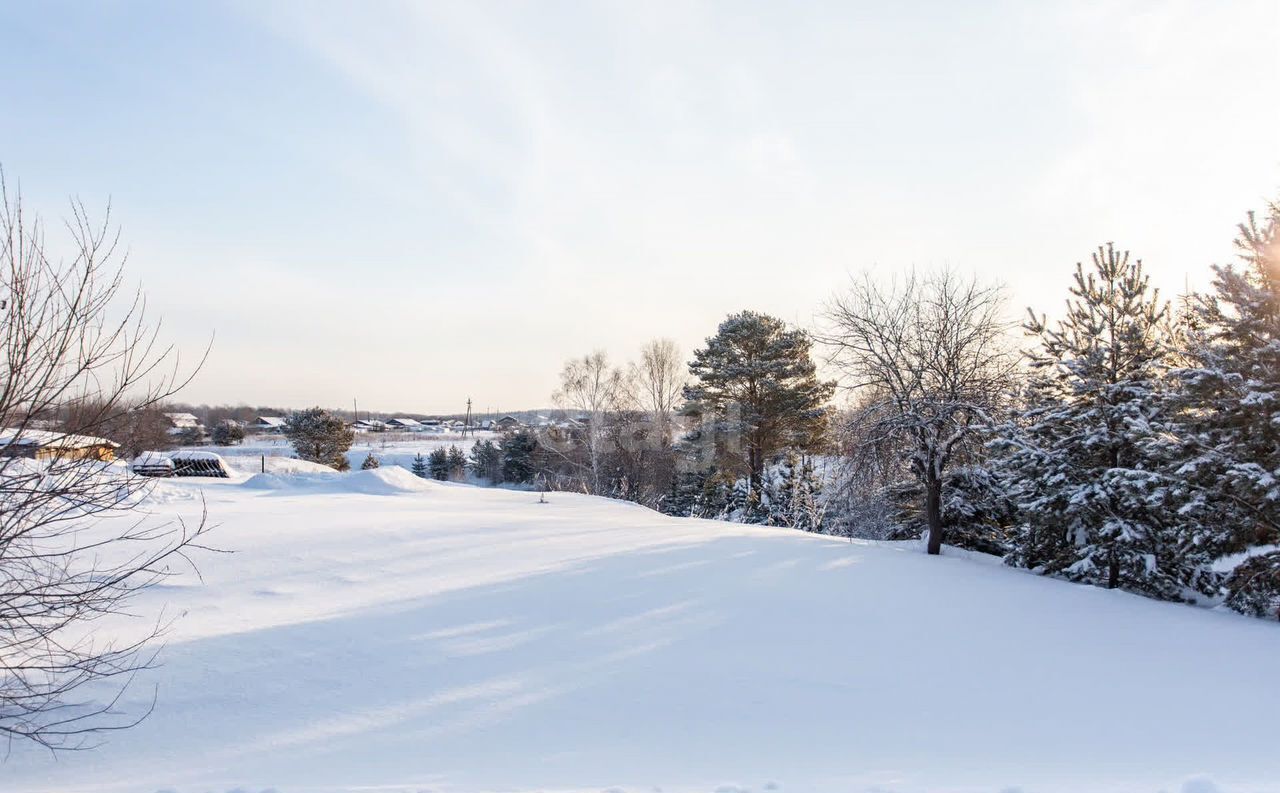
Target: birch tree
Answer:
[[592, 388], [657, 383]]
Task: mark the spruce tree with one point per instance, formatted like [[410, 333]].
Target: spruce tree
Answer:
[[683, 497], [438, 463], [1222, 476], [795, 501], [715, 500], [227, 433], [1080, 474], [420, 466], [457, 463], [370, 462], [486, 461], [518, 450]]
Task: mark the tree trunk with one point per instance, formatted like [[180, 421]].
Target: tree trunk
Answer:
[[755, 462], [933, 513]]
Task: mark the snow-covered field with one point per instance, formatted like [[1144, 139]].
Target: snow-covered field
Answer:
[[377, 632]]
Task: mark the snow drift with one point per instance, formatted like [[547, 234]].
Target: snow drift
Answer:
[[391, 480]]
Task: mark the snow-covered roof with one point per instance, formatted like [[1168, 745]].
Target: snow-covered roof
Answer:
[[152, 460], [191, 454], [404, 422], [270, 421], [51, 440], [183, 419]]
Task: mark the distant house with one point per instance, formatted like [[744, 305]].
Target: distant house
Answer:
[[46, 445], [369, 425], [507, 423], [268, 424], [488, 425], [181, 422], [412, 425]]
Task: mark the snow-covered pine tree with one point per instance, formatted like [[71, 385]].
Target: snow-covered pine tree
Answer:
[[682, 497], [1079, 475], [457, 463], [420, 466], [795, 499], [713, 502], [1224, 477], [747, 504], [518, 449], [370, 461], [486, 461], [438, 463]]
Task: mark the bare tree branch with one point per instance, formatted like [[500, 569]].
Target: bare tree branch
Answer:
[[78, 357]]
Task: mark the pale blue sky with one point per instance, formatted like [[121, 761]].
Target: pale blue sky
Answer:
[[413, 203]]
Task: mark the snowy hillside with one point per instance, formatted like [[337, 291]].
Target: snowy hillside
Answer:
[[374, 631]]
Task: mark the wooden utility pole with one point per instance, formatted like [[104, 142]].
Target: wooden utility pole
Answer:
[[466, 425]]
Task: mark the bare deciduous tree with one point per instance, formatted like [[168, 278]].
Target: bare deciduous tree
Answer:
[[77, 356], [593, 388], [657, 384], [931, 358]]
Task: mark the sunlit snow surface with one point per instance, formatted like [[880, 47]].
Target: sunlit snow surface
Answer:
[[374, 631]]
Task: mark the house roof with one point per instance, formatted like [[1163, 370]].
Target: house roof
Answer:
[[51, 440], [183, 419], [404, 422], [271, 421]]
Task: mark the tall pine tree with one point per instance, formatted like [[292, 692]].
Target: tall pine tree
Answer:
[[757, 385], [1224, 478]]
